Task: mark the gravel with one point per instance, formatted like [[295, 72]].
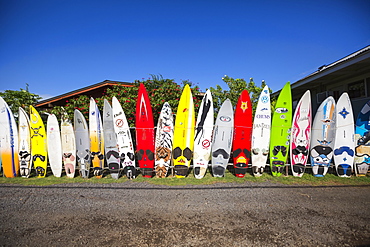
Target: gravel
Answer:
[[142, 214]]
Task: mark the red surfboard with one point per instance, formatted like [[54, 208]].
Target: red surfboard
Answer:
[[242, 134], [144, 133]]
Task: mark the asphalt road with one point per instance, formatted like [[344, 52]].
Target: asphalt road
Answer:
[[141, 214]]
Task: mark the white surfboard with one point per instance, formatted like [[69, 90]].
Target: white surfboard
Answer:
[[222, 139], [54, 145], [261, 133], [24, 135], [322, 137], [110, 141], [163, 141], [124, 140], [203, 136], [68, 146], [344, 145], [9, 141], [82, 144], [301, 135]]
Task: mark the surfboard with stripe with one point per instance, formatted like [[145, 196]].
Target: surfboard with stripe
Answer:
[[9, 141]]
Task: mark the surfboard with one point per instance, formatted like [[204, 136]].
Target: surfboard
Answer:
[[124, 140], [322, 137], [280, 131], [82, 144], [38, 143], [54, 145], [344, 145], [183, 143], [144, 133], [203, 136], [301, 135], [222, 139], [24, 135], [68, 145], [163, 141], [110, 141], [9, 141], [242, 134], [96, 139], [261, 133], [362, 138]]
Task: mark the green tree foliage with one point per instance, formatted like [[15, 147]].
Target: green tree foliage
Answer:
[[236, 86], [159, 90], [22, 98]]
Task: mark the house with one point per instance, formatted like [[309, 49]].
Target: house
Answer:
[[350, 74], [95, 91]]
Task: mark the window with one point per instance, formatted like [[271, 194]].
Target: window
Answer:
[[357, 89]]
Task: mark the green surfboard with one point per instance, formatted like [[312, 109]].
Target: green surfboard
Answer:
[[280, 131]]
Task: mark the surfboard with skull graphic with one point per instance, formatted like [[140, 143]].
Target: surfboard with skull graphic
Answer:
[[38, 143]]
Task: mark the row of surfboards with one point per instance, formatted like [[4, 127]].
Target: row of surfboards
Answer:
[[180, 143]]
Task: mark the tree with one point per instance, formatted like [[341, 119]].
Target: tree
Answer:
[[236, 86], [22, 98], [160, 90]]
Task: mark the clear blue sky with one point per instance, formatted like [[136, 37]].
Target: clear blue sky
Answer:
[[57, 46]]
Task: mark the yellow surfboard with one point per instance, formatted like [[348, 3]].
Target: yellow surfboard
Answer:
[[183, 144], [38, 143]]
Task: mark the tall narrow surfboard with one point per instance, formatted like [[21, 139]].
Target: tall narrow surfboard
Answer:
[[183, 144], [68, 145], [24, 135], [9, 141], [110, 141], [362, 137], [144, 133], [124, 140], [203, 136], [280, 131], [163, 141], [82, 144], [38, 143], [344, 145], [242, 134], [222, 139], [54, 145], [322, 137], [301, 135], [96, 139], [261, 133]]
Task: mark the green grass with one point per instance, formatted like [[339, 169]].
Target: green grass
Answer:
[[307, 179]]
